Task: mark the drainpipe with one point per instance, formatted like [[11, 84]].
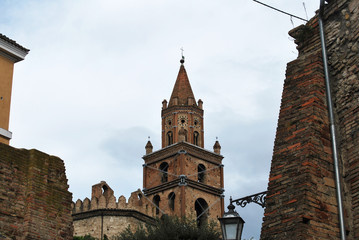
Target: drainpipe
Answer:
[[332, 124]]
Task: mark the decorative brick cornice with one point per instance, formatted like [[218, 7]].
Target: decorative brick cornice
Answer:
[[190, 149], [189, 182], [177, 109]]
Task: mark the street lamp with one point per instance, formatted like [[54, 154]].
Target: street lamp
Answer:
[[231, 224]]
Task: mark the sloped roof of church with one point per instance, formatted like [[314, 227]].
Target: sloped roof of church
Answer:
[[182, 89]]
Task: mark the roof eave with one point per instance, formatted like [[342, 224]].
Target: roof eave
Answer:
[[11, 51]]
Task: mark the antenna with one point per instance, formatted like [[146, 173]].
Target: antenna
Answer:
[[305, 10], [280, 11]]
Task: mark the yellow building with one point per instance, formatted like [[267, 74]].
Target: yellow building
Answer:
[[10, 53]]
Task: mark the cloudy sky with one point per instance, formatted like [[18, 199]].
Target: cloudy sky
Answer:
[[91, 88]]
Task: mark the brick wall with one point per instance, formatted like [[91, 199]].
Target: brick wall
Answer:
[[34, 199], [301, 202]]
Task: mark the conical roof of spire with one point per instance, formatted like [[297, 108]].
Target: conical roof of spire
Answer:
[[182, 89]]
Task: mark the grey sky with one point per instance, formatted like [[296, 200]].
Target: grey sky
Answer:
[[91, 88]]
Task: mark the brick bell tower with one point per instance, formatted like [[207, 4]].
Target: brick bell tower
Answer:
[[183, 178]]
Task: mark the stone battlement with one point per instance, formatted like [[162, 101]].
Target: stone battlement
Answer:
[[103, 198]]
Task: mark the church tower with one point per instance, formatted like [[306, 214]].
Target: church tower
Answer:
[[182, 119], [183, 178]]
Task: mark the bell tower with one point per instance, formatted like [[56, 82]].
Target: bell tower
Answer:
[[182, 118], [183, 178]]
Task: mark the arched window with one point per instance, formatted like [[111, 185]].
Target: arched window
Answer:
[[171, 200], [201, 172], [164, 170], [156, 201], [104, 189], [139, 199], [196, 138], [201, 208], [169, 138]]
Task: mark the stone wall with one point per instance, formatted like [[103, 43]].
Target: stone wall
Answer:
[[301, 201], [103, 215], [34, 199]]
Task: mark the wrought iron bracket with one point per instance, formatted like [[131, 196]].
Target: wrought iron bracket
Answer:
[[258, 198]]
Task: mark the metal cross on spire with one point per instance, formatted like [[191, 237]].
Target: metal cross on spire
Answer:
[[182, 60]]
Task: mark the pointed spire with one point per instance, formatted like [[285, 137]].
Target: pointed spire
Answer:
[[217, 147], [182, 93], [148, 146]]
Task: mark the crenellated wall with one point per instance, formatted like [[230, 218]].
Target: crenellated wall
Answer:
[[104, 215]]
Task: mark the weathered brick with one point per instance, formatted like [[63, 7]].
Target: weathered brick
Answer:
[[302, 153]]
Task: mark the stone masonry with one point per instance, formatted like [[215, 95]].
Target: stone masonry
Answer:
[[301, 202], [103, 215], [34, 199]]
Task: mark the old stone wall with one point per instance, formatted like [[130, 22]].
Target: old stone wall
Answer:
[[135, 202], [343, 43], [104, 215], [102, 225], [34, 199], [301, 201]]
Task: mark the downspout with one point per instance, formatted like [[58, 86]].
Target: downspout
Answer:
[[332, 123]]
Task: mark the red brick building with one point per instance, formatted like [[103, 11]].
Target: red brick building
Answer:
[[302, 202]]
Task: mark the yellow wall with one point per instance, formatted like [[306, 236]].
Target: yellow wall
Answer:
[[6, 73]]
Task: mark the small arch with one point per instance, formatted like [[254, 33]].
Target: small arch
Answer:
[[104, 189], [196, 138], [201, 172], [201, 207], [139, 196], [171, 200], [169, 138], [164, 170], [156, 201]]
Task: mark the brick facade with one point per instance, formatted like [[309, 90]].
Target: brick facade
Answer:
[[301, 201], [34, 199]]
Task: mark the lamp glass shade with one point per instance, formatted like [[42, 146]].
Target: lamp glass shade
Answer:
[[231, 230], [231, 227]]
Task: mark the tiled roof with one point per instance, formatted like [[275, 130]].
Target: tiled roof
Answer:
[[12, 42]]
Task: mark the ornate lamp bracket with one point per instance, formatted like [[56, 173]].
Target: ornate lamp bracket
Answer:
[[258, 198]]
